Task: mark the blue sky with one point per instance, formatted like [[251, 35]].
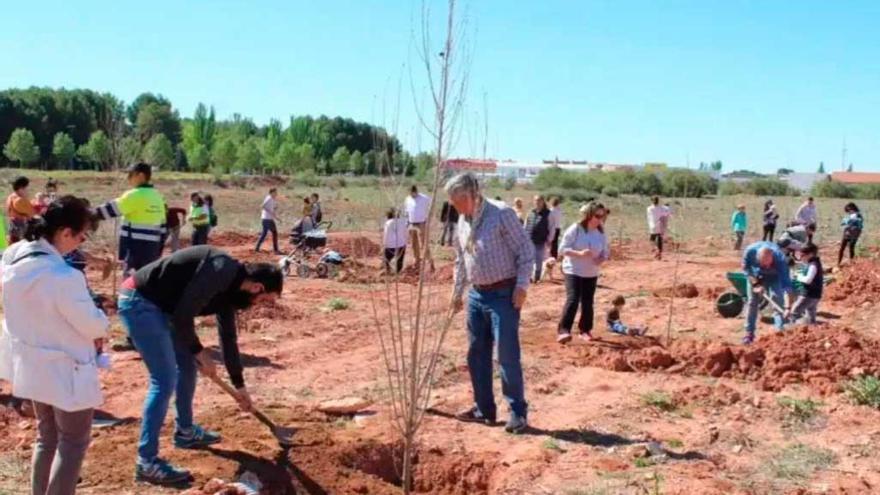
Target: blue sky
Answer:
[[757, 84]]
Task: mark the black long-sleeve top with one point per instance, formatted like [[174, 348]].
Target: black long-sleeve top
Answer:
[[197, 281]]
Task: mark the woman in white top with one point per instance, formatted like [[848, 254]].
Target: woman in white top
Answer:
[[584, 248], [394, 240], [51, 330]]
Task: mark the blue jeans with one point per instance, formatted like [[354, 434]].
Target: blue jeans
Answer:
[[492, 318], [172, 369], [268, 226], [776, 294], [540, 256]]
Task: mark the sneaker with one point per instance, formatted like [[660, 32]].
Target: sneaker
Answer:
[[516, 424], [748, 339], [196, 438], [563, 338], [586, 336], [160, 472], [473, 415]]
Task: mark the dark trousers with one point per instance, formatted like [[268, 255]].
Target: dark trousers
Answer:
[[852, 248], [579, 291], [657, 239], [769, 231], [269, 226], [62, 441], [554, 247], [391, 254], [200, 235]]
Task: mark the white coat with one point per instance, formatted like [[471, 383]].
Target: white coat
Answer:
[[50, 323]]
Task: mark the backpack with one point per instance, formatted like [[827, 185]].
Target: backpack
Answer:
[[212, 218]]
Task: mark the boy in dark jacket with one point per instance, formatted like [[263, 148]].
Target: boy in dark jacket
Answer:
[[810, 286]]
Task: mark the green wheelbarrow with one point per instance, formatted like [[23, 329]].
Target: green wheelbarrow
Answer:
[[730, 304]]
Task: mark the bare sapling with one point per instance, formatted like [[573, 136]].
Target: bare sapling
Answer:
[[412, 320]]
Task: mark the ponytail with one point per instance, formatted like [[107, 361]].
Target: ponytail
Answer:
[[67, 212]]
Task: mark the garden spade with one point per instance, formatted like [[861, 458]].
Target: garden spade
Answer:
[[284, 435]]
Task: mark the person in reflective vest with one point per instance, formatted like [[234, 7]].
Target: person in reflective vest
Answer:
[[142, 209]]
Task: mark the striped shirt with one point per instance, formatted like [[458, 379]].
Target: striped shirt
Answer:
[[499, 248]]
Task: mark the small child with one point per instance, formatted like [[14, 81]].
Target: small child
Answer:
[[739, 222], [614, 323], [810, 286]]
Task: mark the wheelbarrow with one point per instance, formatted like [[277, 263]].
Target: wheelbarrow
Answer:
[[731, 303]]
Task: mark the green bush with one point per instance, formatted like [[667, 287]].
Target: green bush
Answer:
[[611, 191], [729, 188], [769, 187], [307, 178], [509, 183], [864, 391], [829, 189], [583, 196]]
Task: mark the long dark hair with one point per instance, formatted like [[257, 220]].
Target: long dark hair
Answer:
[[767, 205], [66, 212], [851, 207]]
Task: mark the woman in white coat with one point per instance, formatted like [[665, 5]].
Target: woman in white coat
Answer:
[[51, 329]]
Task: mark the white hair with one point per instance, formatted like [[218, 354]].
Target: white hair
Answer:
[[464, 183]]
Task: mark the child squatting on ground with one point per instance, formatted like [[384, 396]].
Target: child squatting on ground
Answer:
[[615, 325]]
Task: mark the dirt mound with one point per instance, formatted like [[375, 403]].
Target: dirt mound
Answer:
[[718, 395], [272, 311], [857, 284], [232, 239], [819, 357], [356, 246], [436, 471], [681, 290]]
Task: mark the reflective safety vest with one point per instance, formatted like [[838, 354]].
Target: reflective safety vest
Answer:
[[198, 211], [143, 213]]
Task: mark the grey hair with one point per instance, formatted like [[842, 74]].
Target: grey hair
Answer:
[[464, 183]]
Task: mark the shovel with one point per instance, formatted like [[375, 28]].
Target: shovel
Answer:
[[282, 434]]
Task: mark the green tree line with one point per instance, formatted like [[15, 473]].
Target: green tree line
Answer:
[[674, 182], [81, 128]]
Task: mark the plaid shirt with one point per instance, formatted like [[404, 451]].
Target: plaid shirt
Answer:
[[499, 249]]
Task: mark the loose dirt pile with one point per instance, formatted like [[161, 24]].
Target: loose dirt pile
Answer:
[[354, 246], [857, 284], [681, 290], [234, 239], [821, 357]]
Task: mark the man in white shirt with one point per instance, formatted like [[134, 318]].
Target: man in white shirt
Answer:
[[268, 215], [807, 216], [417, 206], [658, 218], [394, 240]]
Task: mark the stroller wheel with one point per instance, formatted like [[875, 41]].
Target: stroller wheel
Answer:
[[303, 270], [322, 270]]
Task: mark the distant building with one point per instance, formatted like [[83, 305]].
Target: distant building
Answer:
[[803, 182], [855, 178]]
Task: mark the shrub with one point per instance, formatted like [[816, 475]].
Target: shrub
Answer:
[[509, 183], [307, 178], [729, 188], [337, 304], [864, 391], [769, 187], [829, 189], [611, 191]]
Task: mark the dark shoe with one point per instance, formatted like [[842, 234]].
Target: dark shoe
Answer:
[[473, 415], [160, 472], [748, 339], [516, 424], [196, 438]]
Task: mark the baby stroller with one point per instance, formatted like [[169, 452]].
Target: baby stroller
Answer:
[[305, 243]]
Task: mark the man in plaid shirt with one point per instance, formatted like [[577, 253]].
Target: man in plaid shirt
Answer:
[[495, 256]]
